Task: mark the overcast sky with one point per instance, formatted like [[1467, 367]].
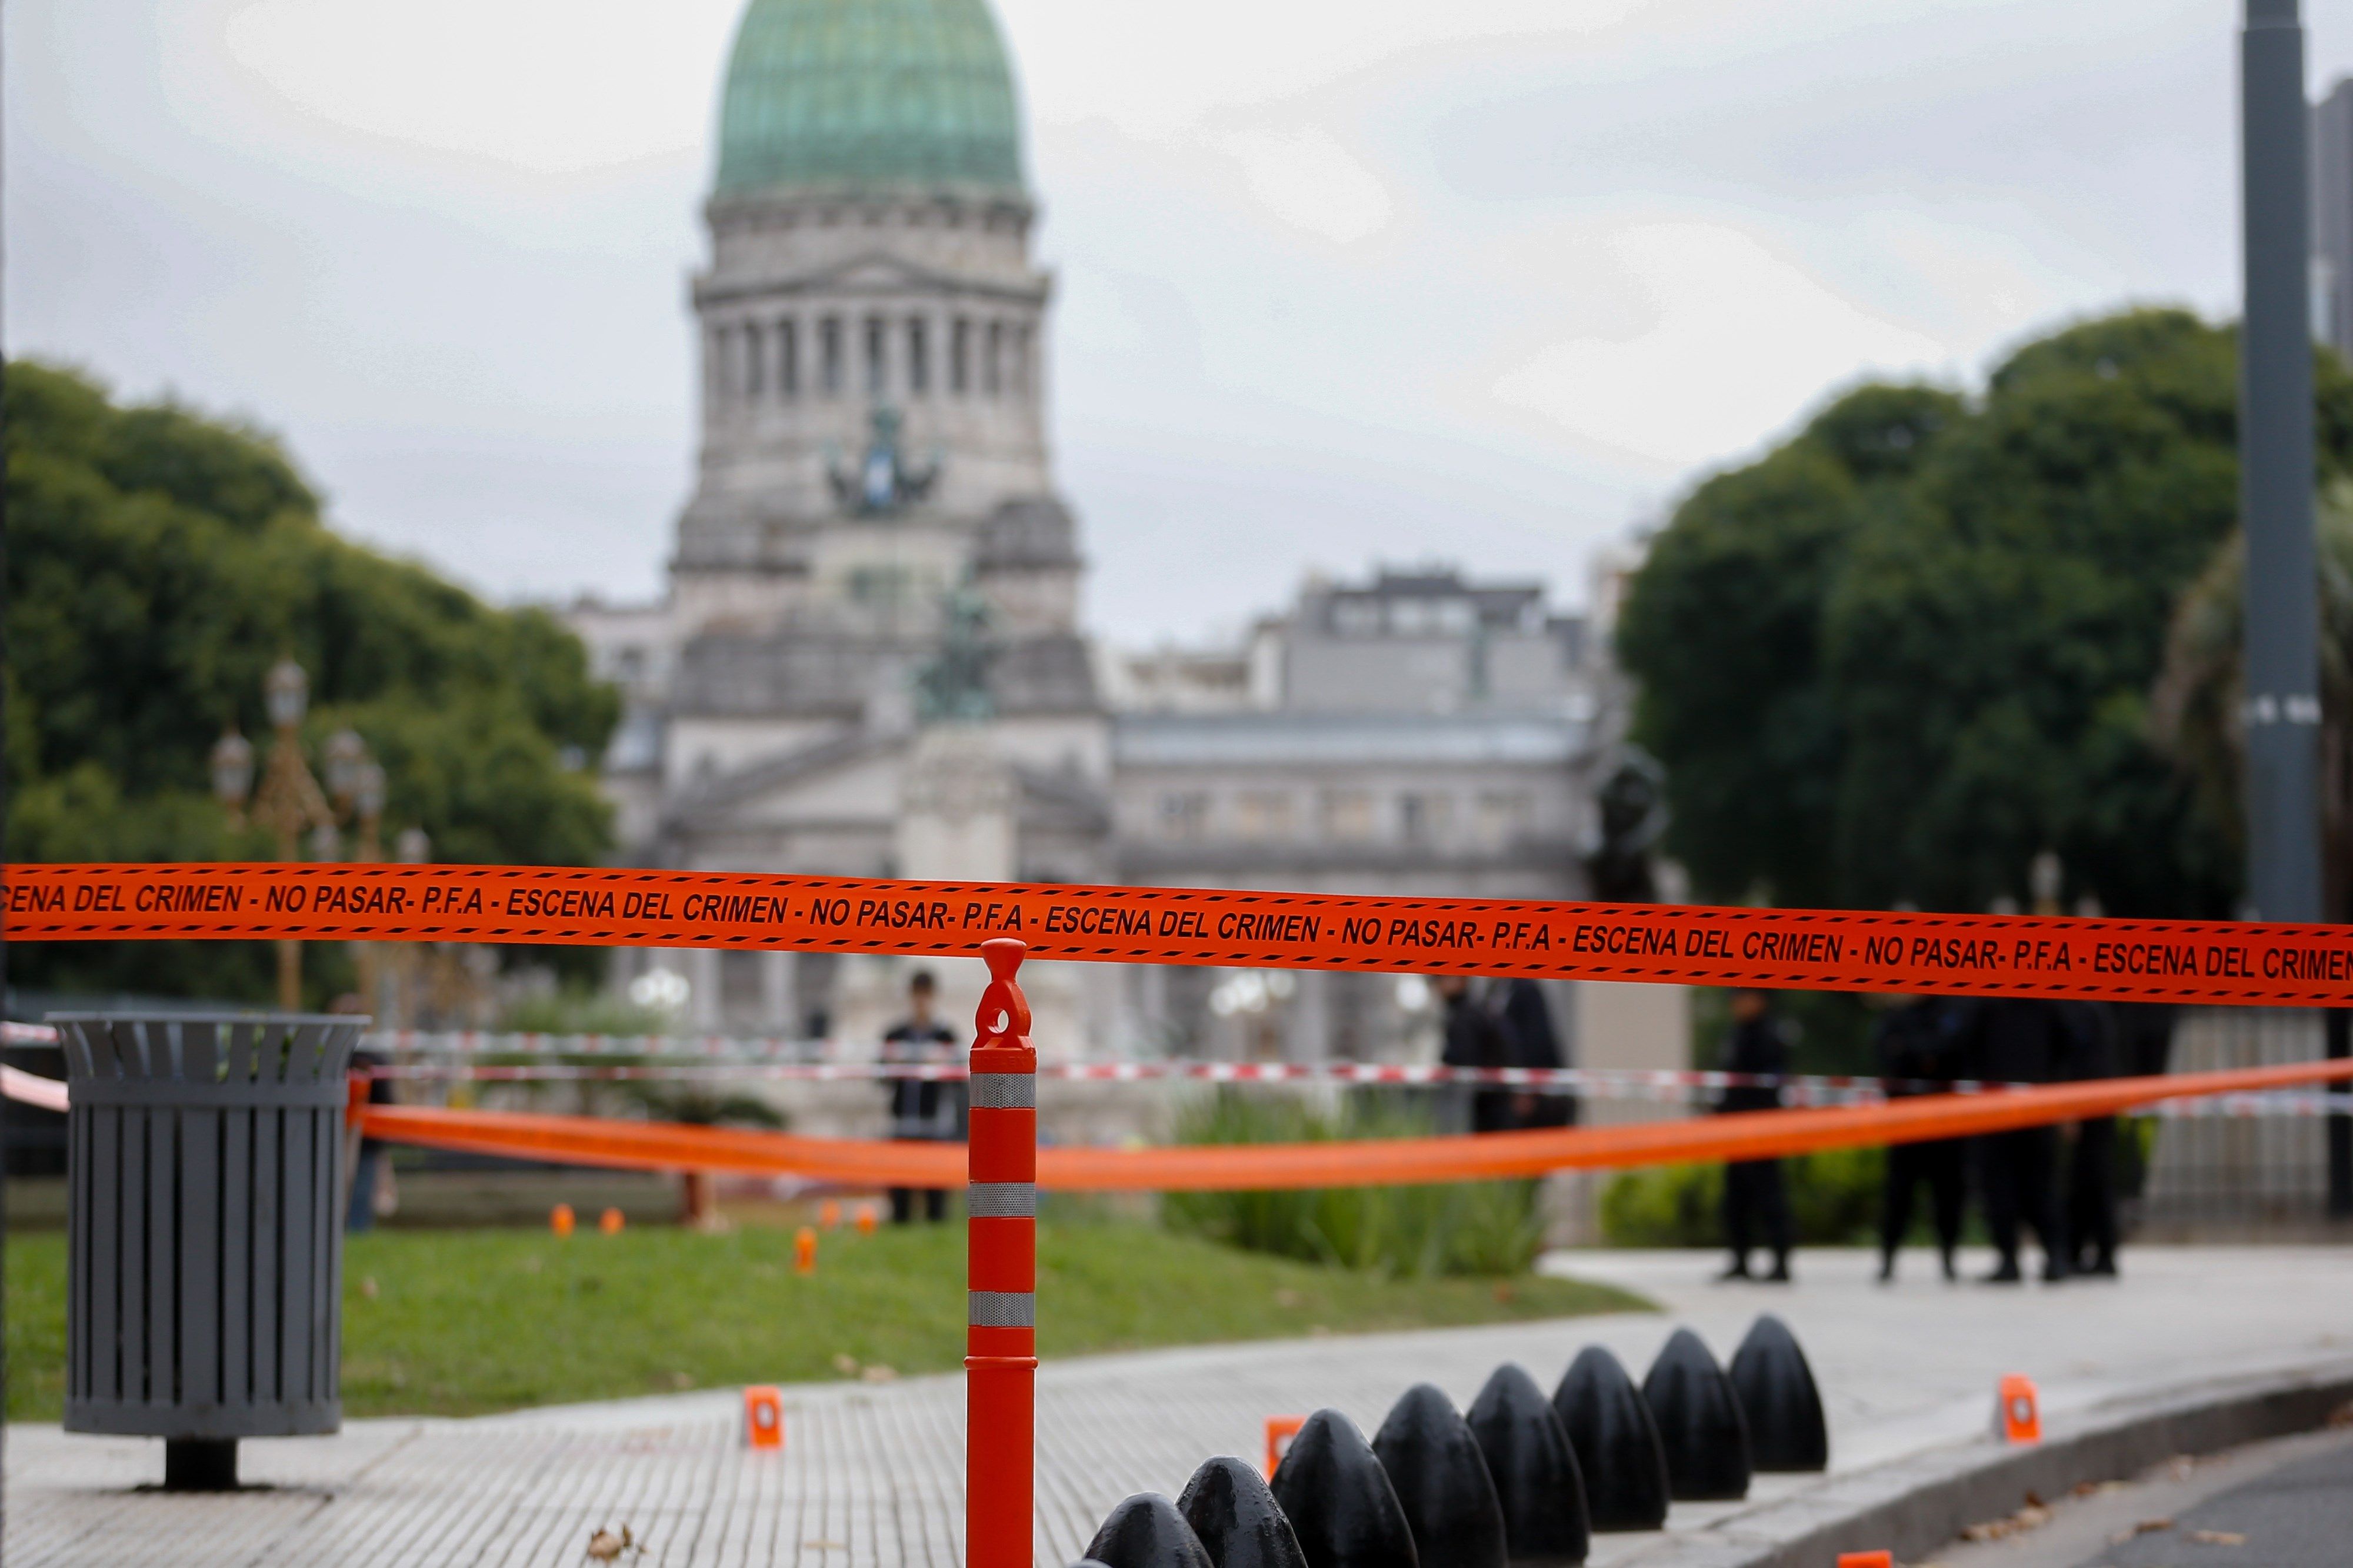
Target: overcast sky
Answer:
[[1338, 282]]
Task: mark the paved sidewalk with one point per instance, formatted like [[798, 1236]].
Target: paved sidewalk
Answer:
[[872, 1475]]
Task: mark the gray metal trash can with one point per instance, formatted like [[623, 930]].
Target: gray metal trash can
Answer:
[[204, 1239]]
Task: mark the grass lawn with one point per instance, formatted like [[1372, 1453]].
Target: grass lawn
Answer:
[[456, 1322]]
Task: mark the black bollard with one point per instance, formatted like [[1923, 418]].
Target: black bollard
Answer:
[[1239, 1521], [1534, 1466], [1441, 1482], [1146, 1532], [1698, 1416], [1616, 1443], [1778, 1400], [1339, 1500]]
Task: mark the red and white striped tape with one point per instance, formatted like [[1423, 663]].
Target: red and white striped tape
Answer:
[[741, 1058]]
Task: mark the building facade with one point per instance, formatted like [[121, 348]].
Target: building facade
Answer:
[[869, 661]]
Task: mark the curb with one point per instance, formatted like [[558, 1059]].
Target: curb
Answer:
[[1915, 1506]]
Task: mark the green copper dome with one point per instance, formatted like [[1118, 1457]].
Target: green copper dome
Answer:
[[869, 94]]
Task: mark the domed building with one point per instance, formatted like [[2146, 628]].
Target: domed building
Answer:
[[871, 324], [868, 662]]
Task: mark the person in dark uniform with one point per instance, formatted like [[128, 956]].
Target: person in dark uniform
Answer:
[[2019, 1039], [1918, 1044], [370, 1172], [1475, 1039], [1520, 1010], [1753, 1192], [372, 1193], [922, 1108], [2092, 1166]]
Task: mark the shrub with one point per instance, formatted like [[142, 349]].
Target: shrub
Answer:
[[1833, 1201], [1409, 1232]]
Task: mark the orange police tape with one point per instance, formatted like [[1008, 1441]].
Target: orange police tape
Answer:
[[2236, 962], [1745, 1135]]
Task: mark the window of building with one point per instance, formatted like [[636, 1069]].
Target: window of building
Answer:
[[1357, 618], [1348, 816], [1505, 820], [1021, 361], [877, 352], [755, 360], [884, 585], [789, 358], [720, 351], [1183, 814], [1425, 818], [828, 345], [919, 359], [960, 357], [742, 995], [991, 370], [1263, 814]]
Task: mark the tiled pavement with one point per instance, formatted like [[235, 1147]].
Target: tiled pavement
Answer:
[[872, 1475]]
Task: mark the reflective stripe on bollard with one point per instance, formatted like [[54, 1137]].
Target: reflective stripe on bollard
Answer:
[[1001, 1336]]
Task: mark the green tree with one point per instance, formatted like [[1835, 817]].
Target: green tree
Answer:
[[2195, 713], [159, 562], [1902, 683], [1724, 629]]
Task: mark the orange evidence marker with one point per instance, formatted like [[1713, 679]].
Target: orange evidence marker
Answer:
[[2020, 1419], [828, 1215], [559, 1219], [1280, 1431], [610, 1222], [763, 1417], [1866, 1560], [866, 1219], [805, 1251]]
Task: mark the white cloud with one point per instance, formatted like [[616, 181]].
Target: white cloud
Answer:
[[1307, 179], [1730, 341], [548, 86]]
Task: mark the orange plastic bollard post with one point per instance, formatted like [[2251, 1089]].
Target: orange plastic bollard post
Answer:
[[828, 1215], [2019, 1419], [610, 1222], [559, 1219], [866, 1219], [805, 1251], [1001, 1364], [1866, 1560], [1280, 1431], [764, 1416]]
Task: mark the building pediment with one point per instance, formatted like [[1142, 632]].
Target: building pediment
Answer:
[[852, 778], [871, 272]]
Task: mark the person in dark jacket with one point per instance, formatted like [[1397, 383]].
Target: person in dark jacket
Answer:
[[922, 1108], [1918, 1045], [2091, 1165], [2019, 1039], [1520, 1009], [1753, 1192], [1475, 1039]]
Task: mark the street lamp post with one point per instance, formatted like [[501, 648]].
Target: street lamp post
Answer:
[[291, 800]]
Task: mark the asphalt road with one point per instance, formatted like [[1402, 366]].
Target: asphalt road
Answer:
[[2282, 1504]]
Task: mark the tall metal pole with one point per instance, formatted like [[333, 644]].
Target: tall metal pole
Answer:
[[2275, 458]]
